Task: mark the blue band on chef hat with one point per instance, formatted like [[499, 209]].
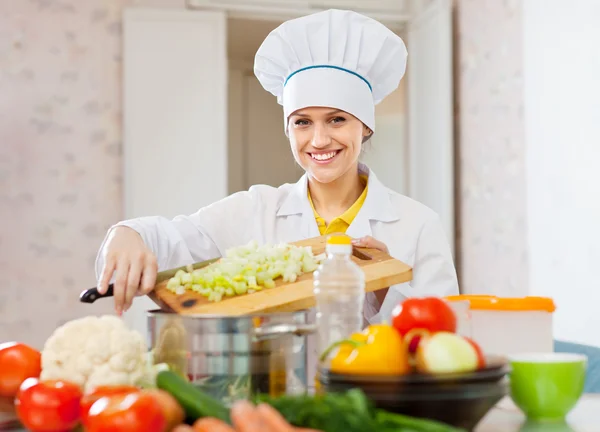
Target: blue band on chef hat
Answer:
[[329, 67]]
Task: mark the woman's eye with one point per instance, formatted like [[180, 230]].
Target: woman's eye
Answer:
[[301, 122], [338, 119]]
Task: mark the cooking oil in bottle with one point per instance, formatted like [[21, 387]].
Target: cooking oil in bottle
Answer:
[[339, 288]]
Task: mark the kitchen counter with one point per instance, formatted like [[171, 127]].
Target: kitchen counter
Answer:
[[506, 417]]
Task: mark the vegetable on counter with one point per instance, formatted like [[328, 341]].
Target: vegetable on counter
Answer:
[[348, 412], [184, 428], [194, 401], [480, 355], [246, 269], [17, 363], [377, 350], [51, 406], [172, 410], [247, 417], [91, 397], [129, 409], [91, 371], [422, 338], [95, 351], [428, 326], [445, 352], [96, 372], [131, 412], [429, 313]]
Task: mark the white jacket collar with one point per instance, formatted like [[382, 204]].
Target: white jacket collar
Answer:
[[377, 205]]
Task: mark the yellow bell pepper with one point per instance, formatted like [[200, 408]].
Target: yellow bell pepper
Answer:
[[377, 350]]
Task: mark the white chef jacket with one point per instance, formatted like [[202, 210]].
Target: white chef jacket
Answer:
[[412, 232]]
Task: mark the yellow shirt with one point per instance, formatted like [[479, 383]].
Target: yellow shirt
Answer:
[[341, 223]]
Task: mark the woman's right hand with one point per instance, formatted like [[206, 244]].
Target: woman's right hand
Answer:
[[133, 264]]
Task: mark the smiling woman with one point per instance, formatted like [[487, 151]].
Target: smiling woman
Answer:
[[327, 143], [323, 134], [328, 71]]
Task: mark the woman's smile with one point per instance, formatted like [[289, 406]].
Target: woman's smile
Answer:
[[323, 157]]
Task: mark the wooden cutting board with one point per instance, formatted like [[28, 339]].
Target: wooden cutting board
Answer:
[[381, 271]]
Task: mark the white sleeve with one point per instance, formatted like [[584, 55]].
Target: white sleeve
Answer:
[[434, 273], [201, 236]]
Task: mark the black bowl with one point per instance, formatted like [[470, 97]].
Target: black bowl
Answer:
[[460, 400], [495, 370], [463, 409]]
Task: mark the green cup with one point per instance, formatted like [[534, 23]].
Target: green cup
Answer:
[[546, 386]]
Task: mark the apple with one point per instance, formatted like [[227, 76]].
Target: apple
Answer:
[[479, 351], [446, 352], [412, 339]]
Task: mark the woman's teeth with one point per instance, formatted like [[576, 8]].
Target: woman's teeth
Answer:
[[323, 156]]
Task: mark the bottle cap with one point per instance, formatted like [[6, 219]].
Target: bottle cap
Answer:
[[339, 239], [339, 244]]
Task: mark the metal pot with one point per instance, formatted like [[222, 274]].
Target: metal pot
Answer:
[[236, 357]]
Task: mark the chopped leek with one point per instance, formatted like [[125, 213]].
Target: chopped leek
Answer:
[[246, 269]]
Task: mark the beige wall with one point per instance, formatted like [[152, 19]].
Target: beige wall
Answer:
[[491, 157], [60, 153]]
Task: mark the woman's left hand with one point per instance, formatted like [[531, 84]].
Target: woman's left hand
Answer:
[[371, 243]]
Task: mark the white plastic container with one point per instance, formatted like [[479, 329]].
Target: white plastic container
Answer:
[[462, 310], [508, 326]]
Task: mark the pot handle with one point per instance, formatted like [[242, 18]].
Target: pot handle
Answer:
[[277, 330]]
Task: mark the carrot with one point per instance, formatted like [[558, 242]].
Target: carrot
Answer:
[[171, 409], [182, 428], [246, 418], [209, 424], [272, 419]]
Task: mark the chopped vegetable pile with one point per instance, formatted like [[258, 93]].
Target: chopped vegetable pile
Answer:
[[246, 269]]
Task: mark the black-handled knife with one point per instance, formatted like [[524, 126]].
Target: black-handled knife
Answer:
[[92, 294]]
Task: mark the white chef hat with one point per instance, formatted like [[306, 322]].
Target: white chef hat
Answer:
[[335, 58]]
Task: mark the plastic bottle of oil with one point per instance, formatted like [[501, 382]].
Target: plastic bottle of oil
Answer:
[[339, 288]]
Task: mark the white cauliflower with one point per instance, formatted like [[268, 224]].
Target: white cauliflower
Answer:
[[94, 351]]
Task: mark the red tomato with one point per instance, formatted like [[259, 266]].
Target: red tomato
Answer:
[[90, 398], [133, 412], [17, 363], [479, 351], [430, 313], [48, 405]]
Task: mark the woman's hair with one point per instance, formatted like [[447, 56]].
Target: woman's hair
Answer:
[[366, 144], [368, 137]]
